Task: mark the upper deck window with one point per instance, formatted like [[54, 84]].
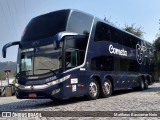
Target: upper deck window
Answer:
[[80, 23], [105, 32]]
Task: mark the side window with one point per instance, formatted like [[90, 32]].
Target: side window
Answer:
[[116, 63], [102, 32], [80, 23], [74, 51], [116, 36], [124, 64], [105, 32], [135, 41], [133, 65], [127, 40], [71, 53], [128, 65], [102, 63], [130, 41]]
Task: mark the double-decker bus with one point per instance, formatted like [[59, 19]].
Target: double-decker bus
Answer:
[[69, 53]]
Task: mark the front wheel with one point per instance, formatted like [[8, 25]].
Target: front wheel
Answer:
[[106, 88], [94, 90]]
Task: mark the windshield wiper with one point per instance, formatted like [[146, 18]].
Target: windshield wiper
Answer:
[[22, 73], [49, 70]]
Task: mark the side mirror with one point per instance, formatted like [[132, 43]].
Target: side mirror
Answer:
[[4, 49]]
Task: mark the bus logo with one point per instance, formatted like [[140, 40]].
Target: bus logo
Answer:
[[117, 51], [140, 50], [35, 43]]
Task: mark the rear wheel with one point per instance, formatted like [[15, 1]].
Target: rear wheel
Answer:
[[146, 84], [142, 84], [94, 90], [106, 88]]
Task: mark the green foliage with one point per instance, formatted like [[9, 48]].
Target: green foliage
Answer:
[[14, 82], [108, 20], [157, 53], [129, 28], [157, 43], [134, 30], [2, 76]]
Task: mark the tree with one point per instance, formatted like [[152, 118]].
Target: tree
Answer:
[[129, 28], [108, 20], [157, 43], [157, 40], [157, 54], [134, 30]]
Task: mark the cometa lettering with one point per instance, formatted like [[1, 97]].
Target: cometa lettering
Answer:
[[117, 51]]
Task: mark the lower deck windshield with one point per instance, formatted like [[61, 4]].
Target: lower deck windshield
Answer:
[[46, 59], [40, 60]]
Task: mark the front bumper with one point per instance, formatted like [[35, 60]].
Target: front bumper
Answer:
[[49, 92], [53, 89]]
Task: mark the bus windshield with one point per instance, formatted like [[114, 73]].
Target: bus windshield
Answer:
[[40, 60]]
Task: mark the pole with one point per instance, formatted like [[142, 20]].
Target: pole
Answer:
[[1, 78], [7, 80], [7, 72]]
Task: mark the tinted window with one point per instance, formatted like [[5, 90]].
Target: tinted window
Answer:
[[102, 32], [109, 63], [116, 35], [130, 41], [116, 64], [75, 51], [127, 41], [128, 65], [102, 63], [80, 23], [46, 25], [105, 32]]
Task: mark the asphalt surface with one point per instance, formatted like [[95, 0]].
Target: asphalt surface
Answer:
[[128, 100]]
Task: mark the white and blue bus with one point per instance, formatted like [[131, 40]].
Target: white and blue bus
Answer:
[[69, 53]]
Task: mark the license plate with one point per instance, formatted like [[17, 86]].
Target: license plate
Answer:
[[32, 95]]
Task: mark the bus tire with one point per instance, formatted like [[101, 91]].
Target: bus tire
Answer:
[[94, 90], [106, 88], [142, 84], [146, 84]]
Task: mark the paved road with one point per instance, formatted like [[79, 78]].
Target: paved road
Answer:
[[147, 100]]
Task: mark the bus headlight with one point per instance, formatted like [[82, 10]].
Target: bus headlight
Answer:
[[43, 86], [59, 80]]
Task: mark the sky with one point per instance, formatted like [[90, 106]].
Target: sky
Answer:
[[15, 15]]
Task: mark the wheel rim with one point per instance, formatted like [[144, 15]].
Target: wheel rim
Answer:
[[146, 83], [93, 89], [106, 88], [142, 84]]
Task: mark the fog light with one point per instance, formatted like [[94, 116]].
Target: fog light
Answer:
[[55, 91]]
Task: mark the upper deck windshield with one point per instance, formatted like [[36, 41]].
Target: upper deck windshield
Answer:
[[40, 60], [46, 25], [52, 23]]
